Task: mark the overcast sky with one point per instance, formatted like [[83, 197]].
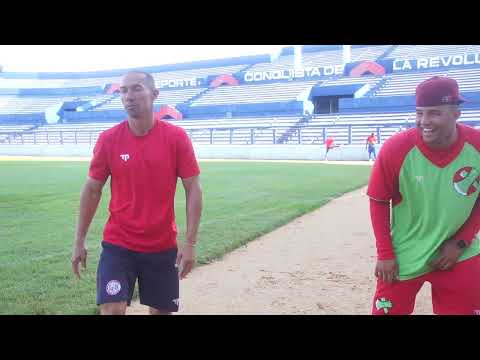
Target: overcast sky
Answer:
[[42, 58]]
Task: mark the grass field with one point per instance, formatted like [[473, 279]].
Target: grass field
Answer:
[[39, 204]]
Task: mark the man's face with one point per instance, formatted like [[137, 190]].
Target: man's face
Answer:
[[137, 96], [437, 124]]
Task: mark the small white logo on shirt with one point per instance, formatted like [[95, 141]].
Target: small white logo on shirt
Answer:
[[113, 287], [125, 157], [419, 178]]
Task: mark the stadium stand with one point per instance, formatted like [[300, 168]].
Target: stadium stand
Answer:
[[258, 111], [322, 58], [29, 104], [422, 51], [404, 84], [251, 94]]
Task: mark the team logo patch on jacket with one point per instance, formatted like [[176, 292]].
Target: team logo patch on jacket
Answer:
[[466, 181]]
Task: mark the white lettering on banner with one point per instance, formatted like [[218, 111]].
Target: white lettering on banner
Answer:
[[435, 61], [477, 58], [174, 83], [407, 65], [396, 67], [315, 72], [276, 75], [288, 74], [299, 73], [457, 60], [422, 63], [446, 60], [466, 62], [329, 70]]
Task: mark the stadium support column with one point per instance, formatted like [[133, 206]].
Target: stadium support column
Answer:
[[347, 54], [297, 51]]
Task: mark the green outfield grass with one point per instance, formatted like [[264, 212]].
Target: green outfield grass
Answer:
[[39, 205]]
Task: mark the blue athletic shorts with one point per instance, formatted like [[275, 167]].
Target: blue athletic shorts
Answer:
[[157, 274]]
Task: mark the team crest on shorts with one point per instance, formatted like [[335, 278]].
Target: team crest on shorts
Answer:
[[383, 304], [466, 181], [113, 287]]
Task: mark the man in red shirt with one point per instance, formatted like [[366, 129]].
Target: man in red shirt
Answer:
[[430, 176], [329, 144], [143, 157], [371, 141]]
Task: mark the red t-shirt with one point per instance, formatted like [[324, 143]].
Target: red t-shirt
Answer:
[[329, 143], [372, 139], [144, 172]]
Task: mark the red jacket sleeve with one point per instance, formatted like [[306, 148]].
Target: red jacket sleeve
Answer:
[[380, 216], [471, 227], [383, 183], [383, 189]]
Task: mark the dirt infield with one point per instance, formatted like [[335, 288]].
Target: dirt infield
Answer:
[[320, 263]]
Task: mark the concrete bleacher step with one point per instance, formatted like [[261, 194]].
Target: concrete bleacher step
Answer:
[[196, 97]]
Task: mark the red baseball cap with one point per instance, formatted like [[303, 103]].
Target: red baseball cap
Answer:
[[438, 91]]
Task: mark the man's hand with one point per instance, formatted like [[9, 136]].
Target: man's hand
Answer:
[[185, 259], [386, 270], [79, 256], [448, 255]]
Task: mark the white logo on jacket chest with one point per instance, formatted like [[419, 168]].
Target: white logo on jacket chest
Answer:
[[125, 157], [419, 178]]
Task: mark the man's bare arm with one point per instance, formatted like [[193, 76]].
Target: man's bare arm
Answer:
[[89, 199]]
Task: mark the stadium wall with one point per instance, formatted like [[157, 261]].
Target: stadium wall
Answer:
[[22, 118], [292, 107], [250, 152], [285, 108]]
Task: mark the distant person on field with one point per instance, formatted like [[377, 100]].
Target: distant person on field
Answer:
[[370, 144], [329, 145]]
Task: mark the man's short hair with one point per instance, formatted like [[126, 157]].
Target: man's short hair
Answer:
[[149, 80]]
